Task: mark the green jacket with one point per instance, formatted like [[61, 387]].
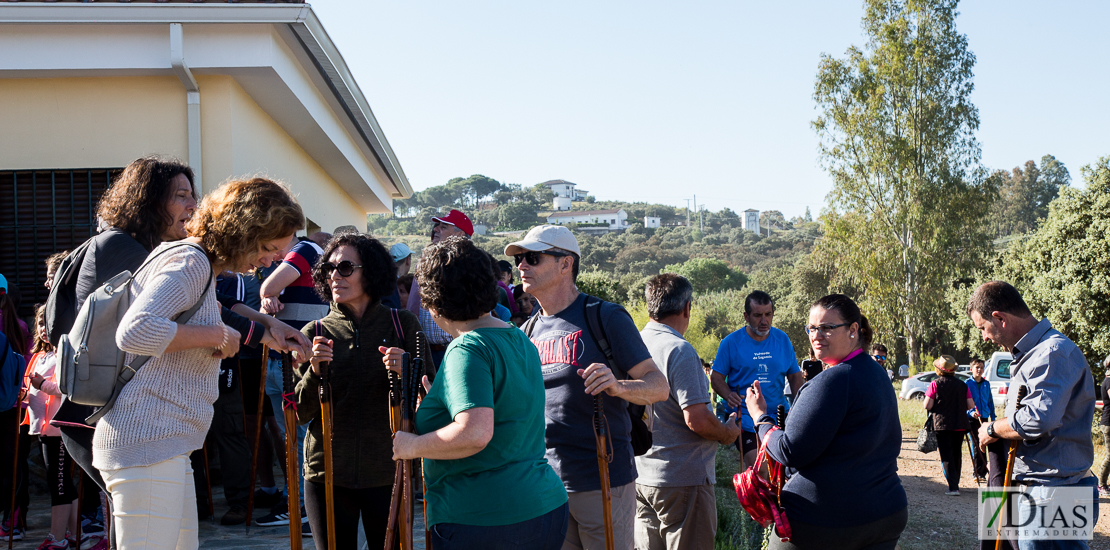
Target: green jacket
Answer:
[[362, 442]]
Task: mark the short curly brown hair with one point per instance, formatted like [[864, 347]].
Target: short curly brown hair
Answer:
[[234, 219], [136, 201], [379, 273], [456, 280]]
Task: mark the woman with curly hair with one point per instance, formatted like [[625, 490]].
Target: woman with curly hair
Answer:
[[482, 424], [353, 274], [142, 445]]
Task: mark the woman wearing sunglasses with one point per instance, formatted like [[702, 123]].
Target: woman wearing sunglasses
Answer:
[[488, 484], [843, 438], [354, 273]]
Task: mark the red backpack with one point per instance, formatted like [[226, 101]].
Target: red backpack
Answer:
[[762, 499]]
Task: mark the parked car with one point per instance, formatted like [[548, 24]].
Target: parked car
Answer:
[[914, 387], [966, 369], [997, 371]]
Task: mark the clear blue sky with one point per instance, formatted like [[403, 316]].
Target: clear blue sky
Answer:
[[659, 101]]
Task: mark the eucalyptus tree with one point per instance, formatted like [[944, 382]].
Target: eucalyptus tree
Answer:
[[896, 127]]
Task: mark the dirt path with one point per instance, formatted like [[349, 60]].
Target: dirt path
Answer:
[[940, 522]]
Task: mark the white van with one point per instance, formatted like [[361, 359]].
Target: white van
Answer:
[[997, 370]]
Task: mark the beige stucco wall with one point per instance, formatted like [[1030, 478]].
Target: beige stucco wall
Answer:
[[240, 139], [90, 122], [104, 122]]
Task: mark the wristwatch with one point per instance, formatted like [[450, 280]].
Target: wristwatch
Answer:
[[990, 430]]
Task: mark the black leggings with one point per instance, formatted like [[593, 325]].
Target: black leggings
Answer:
[[58, 465], [372, 503], [951, 456], [8, 421]]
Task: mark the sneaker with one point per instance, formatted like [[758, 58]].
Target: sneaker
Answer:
[[955, 493], [306, 530], [51, 544], [1103, 491], [95, 543], [16, 533], [91, 527], [236, 515], [280, 517], [262, 499]]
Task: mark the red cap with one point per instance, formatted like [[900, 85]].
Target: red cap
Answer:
[[457, 219]]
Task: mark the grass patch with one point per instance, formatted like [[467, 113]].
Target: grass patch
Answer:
[[735, 528]]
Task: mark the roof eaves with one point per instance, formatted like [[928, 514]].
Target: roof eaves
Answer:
[[299, 17]]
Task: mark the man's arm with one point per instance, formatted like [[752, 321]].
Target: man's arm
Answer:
[[646, 386], [796, 380], [704, 423], [277, 335], [282, 277], [720, 385]]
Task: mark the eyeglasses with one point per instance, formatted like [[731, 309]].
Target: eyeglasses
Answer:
[[533, 257], [880, 357], [345, 268], [826, 330]]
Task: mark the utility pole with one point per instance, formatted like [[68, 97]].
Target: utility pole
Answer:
[[695, 205], [687, 212]]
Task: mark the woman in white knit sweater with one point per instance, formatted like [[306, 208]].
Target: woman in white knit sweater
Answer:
[[142, 445]]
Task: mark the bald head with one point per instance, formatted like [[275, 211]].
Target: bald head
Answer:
[[321, 238]]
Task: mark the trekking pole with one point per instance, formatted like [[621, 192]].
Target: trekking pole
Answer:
[[80, 495], [326, 429], [601, 433], [418, 373], [408, 422], [971, 451], [292, 469], [257, 435], [1010, 455], [394, 425], [13, 517]]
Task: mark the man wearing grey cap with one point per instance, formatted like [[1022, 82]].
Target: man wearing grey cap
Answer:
[[575, 370], [402, 257]]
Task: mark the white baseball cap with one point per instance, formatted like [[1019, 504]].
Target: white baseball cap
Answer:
[[545, 237]]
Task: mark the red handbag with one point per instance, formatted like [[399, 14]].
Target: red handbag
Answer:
[[762, 498]]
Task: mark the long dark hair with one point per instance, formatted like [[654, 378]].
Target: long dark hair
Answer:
[[850, 312], [136, 202], [379, 273], [11, 327]]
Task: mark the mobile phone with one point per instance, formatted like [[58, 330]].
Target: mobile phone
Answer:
[[811, 368]]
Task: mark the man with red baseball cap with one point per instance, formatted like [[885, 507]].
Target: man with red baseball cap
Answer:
[[455, 223]]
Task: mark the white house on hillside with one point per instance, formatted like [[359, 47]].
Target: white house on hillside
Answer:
[[651, 222], [563, 188], [614, 220], [751, 220]]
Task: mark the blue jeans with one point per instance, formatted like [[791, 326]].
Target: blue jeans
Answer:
[[273, 392], [1041, 492], [545, 532]]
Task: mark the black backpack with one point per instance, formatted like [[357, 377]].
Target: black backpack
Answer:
[[641, 434], [61, 305]]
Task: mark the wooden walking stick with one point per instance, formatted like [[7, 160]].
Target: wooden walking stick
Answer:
[[601, 438], [1010, 456], [402, 391], [418, 374], [257, 436], [292, 469], [325, 426]]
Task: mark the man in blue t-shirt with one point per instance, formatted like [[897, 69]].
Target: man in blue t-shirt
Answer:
[[574, 371], [761, 352]]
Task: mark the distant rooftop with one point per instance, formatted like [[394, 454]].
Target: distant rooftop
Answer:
[[568, 214], [549, 183]]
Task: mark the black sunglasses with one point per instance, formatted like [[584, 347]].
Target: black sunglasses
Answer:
[[345, 268], [533, 257]]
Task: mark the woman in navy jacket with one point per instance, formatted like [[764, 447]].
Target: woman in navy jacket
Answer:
[[842, 440]]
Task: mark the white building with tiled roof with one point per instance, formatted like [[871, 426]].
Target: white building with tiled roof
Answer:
[[614, 219]]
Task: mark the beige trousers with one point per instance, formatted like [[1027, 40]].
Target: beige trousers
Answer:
[[675, 518], [154, 507], [586, 528]]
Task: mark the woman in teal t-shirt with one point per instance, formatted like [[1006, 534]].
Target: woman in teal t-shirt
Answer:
[[488, 484]]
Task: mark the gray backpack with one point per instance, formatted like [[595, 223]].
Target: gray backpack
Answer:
[[92, 370]]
